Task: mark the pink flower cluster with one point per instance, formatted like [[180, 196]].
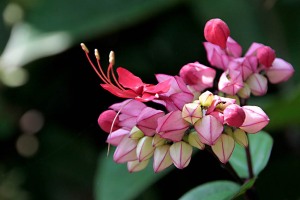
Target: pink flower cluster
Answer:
[[243, 75], [194, 117]]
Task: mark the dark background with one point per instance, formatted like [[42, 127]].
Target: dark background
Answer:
[[148, 37]]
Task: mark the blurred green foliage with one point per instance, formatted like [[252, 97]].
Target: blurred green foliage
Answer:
[[39, 41]]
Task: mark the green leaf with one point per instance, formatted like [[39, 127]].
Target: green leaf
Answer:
[[247, 185], [113, 181], [260, 147], [220, 190]]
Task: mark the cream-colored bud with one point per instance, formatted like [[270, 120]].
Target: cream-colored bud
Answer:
[[135, 166], [206, 98], [194, 140], [191, 112], [240, 137], [223, 148], [136, 133], [144, 149], [245, 92], [158, 141]]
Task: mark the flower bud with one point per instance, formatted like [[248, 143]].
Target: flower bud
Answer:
[[255, 120], [216, 31], [209, 129], [135, 166], [258, 84], [216, 56], [106, 120], [265, 56], [181, 153], [172, 126], [136, 133], [240, 137], [245, 92], [280, 71], [162, 158], [158, 141], [126, 151], [234, 115], [198, 76], [223, 147], [194, 140], [144, 149], [191, 112], [206, 98]]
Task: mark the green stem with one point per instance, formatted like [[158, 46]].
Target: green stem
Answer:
[[249, 161]]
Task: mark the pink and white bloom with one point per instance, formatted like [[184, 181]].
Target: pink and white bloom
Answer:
[[198, 76], [231, 82], [256, 119], [181, 153], [216, 31], [192, 112], [258, 84], [172, 126], [280, 71]]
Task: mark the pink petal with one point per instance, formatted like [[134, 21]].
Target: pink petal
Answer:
[[118, 92], [280, 71], [126, 151], [128, 80], [147, 120], [172, 126], [117, 136]]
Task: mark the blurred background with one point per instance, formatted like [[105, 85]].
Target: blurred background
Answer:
[[51, 147]]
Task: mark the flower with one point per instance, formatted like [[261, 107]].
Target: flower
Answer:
[[128, 85]]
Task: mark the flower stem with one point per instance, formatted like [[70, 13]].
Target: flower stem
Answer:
[[249, 161]]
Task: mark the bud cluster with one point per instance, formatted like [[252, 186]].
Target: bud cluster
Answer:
[[194, 117]]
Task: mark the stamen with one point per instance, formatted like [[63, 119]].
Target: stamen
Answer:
[[114, 120], [84, 48]]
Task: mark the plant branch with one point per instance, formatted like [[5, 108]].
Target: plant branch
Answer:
[[249, 160]]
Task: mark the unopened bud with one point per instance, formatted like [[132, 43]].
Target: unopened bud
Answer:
[[206, 98], [135, 166], [158, 141], [224, 147], [240, 137], [136, 133], [258, 84], [194, 140], [181, 153], [245, 92], [191, 112], [217, 32], [265, 56], [144, 149]]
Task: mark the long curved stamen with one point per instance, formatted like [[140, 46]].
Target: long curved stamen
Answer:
[[114, 120], [105, 78]]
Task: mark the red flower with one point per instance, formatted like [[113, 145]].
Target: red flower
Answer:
[[128, 85]]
